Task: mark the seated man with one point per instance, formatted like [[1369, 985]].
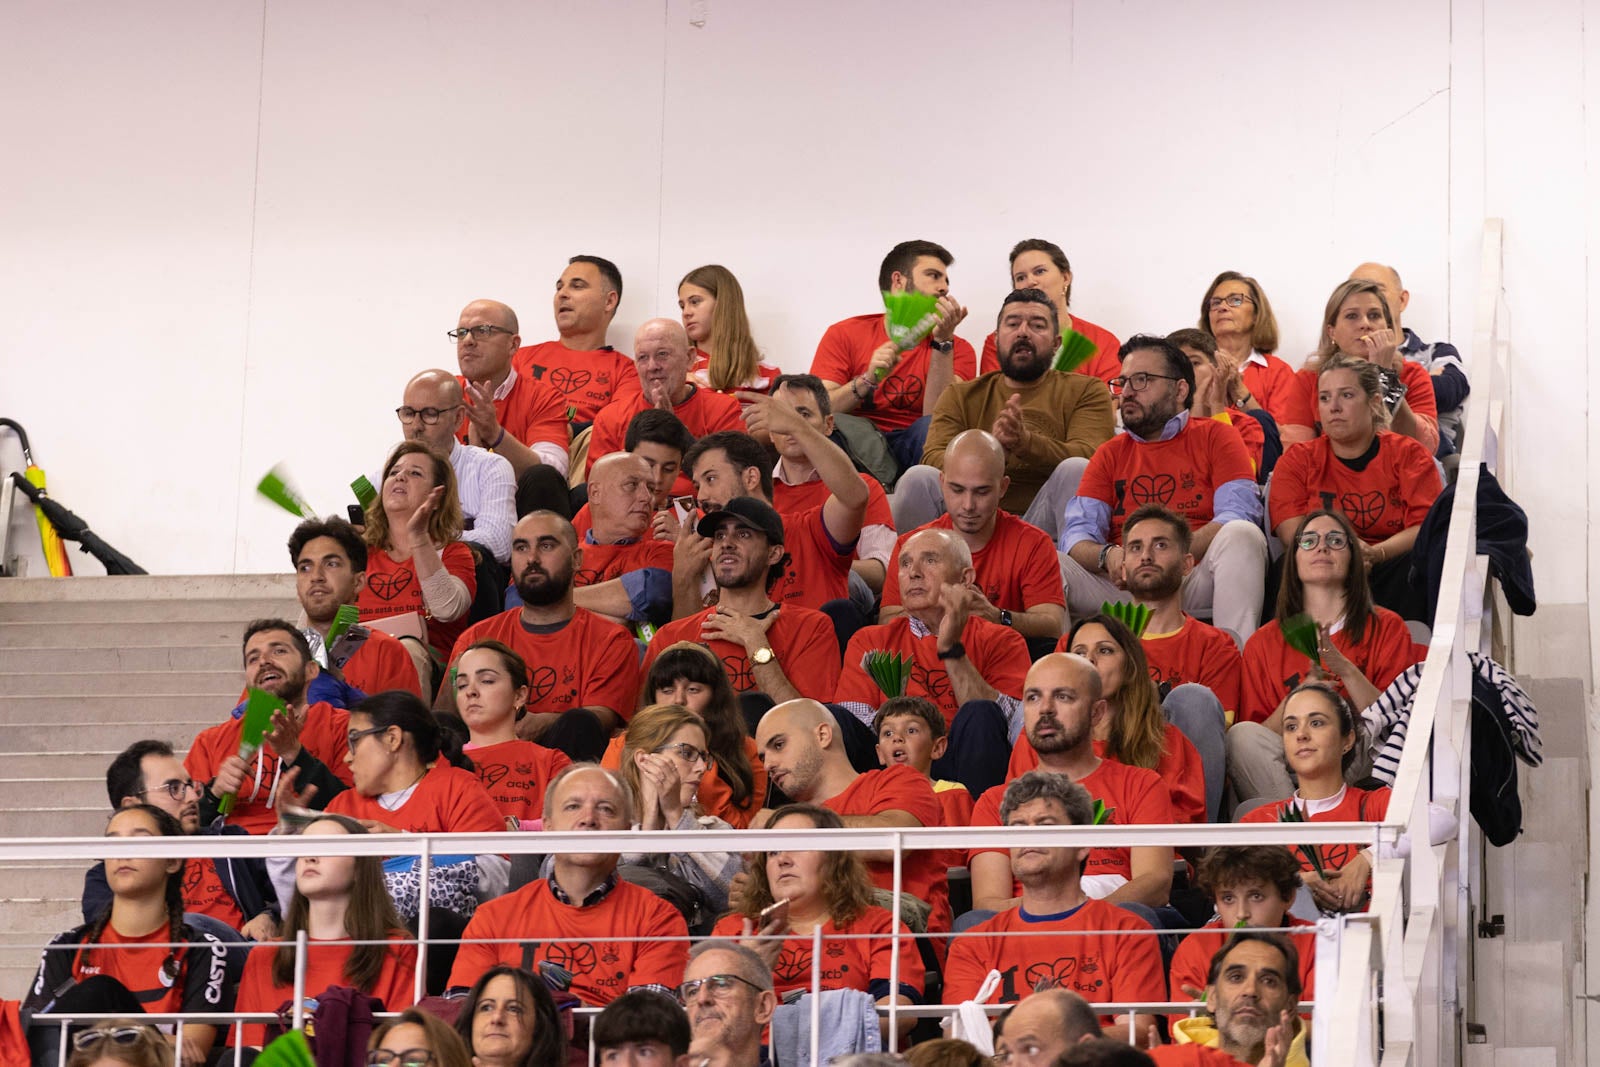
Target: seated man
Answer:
[[1198, 468], [661, 354], [1252, 992], [642, 1028], [1060, 700], [1088, 959], [661, 440], [584, 668], [970, 667], [1016, 570], [513, 415], [780, 651], [882, 399], [727, 989], [797, 485], [231, 893], [1042, 265], [1039, 415], [330, 564], [626, 574], [308, 739], [553, 919], [587, 372], [1042, 1026], [805, 760], [1440, 359]]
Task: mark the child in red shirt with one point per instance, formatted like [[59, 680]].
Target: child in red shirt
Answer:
[[491, 691]]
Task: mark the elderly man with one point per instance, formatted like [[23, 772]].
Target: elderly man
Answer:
[[565, 918], [626, 574], [1252, 993], [1040, 416], [1041, 1027], [970, 667], [1103, 953], [513, 415], [587, 372], [1440, 359], [1016, 571], [661, 355], [727, 989]]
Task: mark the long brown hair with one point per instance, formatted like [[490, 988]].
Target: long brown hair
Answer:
[[726, 731], [1264, 329], [1357, 593], [734, 356], [369, 915], [445, 525], [1138, 735], [648, 730], [846, 887], [1342, 292]]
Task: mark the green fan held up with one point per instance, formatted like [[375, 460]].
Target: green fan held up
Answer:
[[889, 670], [911, 317], [1075, 351], [1102, 814], [1136, 617], [347, 616], [365, 494], [1300, 634], [1293, 813], [258, 711], [276, 487]]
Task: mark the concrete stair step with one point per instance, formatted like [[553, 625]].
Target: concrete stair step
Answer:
[[49, 881], [72, 659], [15, 981], [1523, 995], [55, 914], [67, 711], [120, 683], [41, 821], [115, 735], [117, 635], [51, 792], [151, 612], [188, 587], [85, 764]]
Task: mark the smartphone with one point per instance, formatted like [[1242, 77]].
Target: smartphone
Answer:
[[358, 517], [778, 910]]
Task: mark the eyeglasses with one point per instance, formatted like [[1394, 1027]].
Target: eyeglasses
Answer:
[[482, 333], [688, 752], [430, 416], [411, 1057], [1334, 539], [355, 735], [719, 984], [1233, 300], [121, 1035], [1025, 1052], [1138, 383], [175, 787]]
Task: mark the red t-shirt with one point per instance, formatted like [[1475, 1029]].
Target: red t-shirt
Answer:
[[1191, 963], [1134, 795], [1179, 767], [1181, 473], [703, 412], [392, 588], [847, 962], [900, 788], [381, 663], [587, 380], [1195, 652], [1000, 654], [601, 563], [700, 371], [1392, 493], [1419, 395], [516, 774], [846, 350], [1272, 668], [816, 570], [1190, 1054], [325, 735], [1099, 967], [655, 951], [137, 962], [203, 892], [587, 662], [532, 412], [325, 964], [1273, 386], [714, 796], [1018, 568], [797, 499], [802, 640], [1105, 364], [447, 800], [1357, 805]]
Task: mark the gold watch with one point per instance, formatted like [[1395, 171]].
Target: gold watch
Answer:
[[763, 656]]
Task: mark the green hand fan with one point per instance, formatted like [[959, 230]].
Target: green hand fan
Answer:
[[889, 670], [1102, 814], [911, 317], [287, 1050], [276, 487], [1300, 634], [347, 616], [258, 710], [1292, 813], [1075, 351], [364, 492], [1136, 617]]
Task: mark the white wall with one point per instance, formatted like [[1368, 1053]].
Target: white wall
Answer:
[[232, 231]]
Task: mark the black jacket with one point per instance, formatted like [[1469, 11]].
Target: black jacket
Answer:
[[1502, 536]]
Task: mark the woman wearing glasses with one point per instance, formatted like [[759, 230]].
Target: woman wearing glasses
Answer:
[[336, 899], [491, 692], [415, 1038], [664, 758], [509, 1020], [121, 1041], [417, 562], [1362, 648], [1237, 313], [1384, 483]]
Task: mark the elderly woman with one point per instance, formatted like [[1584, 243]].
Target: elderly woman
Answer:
[[1236, 312]]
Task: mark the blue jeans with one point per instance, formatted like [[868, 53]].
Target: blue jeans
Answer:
[[906, 445]]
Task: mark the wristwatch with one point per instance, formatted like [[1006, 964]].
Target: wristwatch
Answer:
[[955, 651], [1105, 550], [1005, 617], [943, 346], [763, 656]]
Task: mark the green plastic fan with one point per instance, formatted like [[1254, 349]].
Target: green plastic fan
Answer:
[[1300, 634], [1292, 813], [276, 487], [1136, 617], [1075, 350], [911, 317], [891, 671], [347, 616], [287, 1050], [1102, 814], [364, 492], [258, 710]]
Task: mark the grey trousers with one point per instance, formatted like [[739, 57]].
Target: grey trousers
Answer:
[[1197, 712]]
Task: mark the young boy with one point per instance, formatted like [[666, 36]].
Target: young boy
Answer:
[[1252, 886]]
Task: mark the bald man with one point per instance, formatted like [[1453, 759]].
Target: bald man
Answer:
[[1017, 574], [1440, 359], [1042, 1026], [1041, 417], [513, 415], [430, 410], [661, 356], [970, 667], [626, 574]]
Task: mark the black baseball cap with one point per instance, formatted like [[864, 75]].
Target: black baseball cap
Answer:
[[748, 511]]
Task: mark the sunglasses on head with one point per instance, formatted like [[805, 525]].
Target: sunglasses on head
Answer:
[[118, 1035]]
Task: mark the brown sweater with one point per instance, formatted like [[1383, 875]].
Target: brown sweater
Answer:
[[1069, 414]]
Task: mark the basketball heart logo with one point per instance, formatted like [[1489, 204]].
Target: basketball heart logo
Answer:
[[578, 958], [388, 586], [586, 577], [1364, 509], [568, 380], [541, 683], [1152, 488], [935, 682], [794, 965], [193, 875], [740, 673], [1054, 975], [491, 773], [902, 391]]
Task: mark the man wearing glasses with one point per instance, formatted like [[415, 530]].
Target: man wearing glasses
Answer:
[[727, 990], [1197, 468], [1041, 1027]]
